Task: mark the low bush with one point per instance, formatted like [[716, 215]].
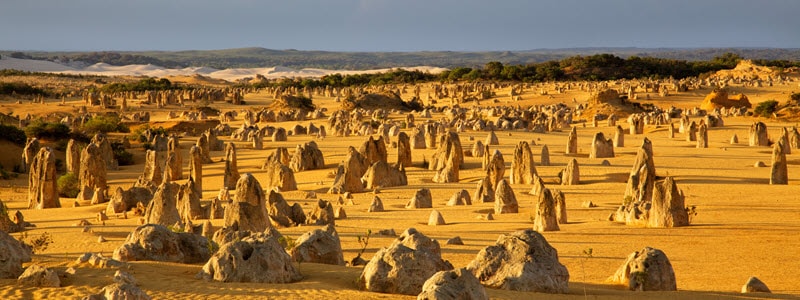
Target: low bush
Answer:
[[46, 130], [68, 185], [12, 134], [104, 124], [766, 108], [123, 157]]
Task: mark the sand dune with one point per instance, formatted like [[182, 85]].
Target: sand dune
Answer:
[[232, 74]]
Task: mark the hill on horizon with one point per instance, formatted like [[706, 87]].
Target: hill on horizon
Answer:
[[262, 57]]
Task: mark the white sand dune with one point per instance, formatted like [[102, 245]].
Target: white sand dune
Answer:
[[232, 74]]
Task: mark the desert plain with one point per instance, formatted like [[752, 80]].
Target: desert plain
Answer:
[[743, 225]]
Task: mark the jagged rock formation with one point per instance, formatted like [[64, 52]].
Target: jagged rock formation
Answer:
[[280, 176], [196, 168], [248, 211], [758, 134], [545, 214], [421, 199], [307, 157], [258, 257], [348, 174], [231, 175], [448, 159], [646, 270], [571, 175], [404, 266], [158, 243], [163, 209], [460, 198], [403, 150], [319, 246], [453, 284], [505, 201], [12, 254], [281, 214], [92, 172], [779, 173], [42, 188], [572, 142], [322, 214], [381, 174], [523, 168], [521, 261], [73, 159], [373, 150], [601, 147], [152, 172]]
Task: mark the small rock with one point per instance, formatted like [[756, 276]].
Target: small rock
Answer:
[[339, 213], [39, 276], [311, 195], [101, 239], [387, 232], [86, 229], [588, 204], [123, 277], [755, 285], [759, 164], [605, 162], [435, 218], [358, 261], [101, 216], [82, 222], [455, 241]]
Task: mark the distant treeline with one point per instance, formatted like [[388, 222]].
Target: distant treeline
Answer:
[[594, 68], [19, 88], [147, 84], [261, 57]]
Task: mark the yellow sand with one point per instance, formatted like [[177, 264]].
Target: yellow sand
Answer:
[[744, 227]]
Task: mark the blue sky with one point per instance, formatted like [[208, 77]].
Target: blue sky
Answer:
[[400, 25]]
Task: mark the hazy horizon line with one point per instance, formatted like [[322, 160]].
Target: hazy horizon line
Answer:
[[409, 51]]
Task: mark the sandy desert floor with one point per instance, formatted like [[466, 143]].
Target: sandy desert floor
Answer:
[[744, 226]]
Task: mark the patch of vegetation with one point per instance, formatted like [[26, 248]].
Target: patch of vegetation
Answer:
[[104, 124], [6, 175], [766, 108], [795, 97], [123, 157], [175, 228], [3, 210], [19, 88], [364, 242], [138, 134], [287, 243], [148, 84], [692, 212], [37, 244], [68, 185], [47, 130], [13, 134]]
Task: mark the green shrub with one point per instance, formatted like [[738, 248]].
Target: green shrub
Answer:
[[19, 88], [123, 157], [6, 175], [104, 124], [46, 130], [138, 134], [12, 134], [68, 185], [766, 108]]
